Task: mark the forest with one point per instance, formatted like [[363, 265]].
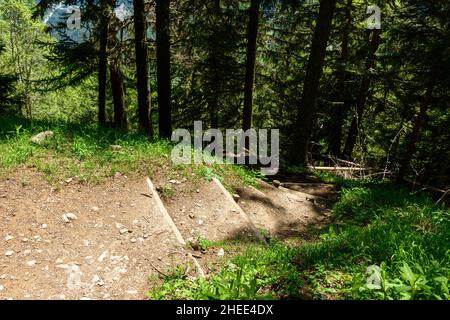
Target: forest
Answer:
[[358, 90]]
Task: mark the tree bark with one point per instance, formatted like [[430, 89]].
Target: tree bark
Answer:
[[306, 109], [340, 110], [252, 34], [415, 134], [163, 67], [102, 65], [362, 95], [116, 77], [143, 87], [214, 58]]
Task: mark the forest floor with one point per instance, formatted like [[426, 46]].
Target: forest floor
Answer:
[[117, 241], [79, 221]]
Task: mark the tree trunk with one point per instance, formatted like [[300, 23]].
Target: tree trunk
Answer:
[[340, 110], [213, 96], [163, 67], [415, 134], [120, 118], [306, 109], [102, 65], [143, 88], [252, 34], [362, 95]]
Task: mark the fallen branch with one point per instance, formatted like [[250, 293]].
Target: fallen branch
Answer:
[[340, 168]]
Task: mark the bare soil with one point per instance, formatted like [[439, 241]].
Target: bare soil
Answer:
[[117, 241]]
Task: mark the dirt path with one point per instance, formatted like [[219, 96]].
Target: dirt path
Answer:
[[203, 211], [104, 241], [284, 213], [108, 252]]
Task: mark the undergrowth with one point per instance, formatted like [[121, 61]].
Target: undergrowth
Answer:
[[85, 152], [388, 244]]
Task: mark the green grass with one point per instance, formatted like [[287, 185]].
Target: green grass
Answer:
[[84, 151], [383, 227]]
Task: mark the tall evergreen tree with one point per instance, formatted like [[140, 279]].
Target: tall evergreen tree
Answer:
[[142, 68], [163, 67], [252, 34], [307, 107]]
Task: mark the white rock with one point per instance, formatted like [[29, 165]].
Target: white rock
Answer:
[[2, 288], [95, 209], [200, 222], [39, 138], [43, 226], [221, 252], [9, 253], [95, 279], [31, 263], [65, 219], [123, 231], [7, 238], [102, 256], [131, 291], [71, 216]]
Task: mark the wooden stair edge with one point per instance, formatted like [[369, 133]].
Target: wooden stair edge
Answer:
[[168, 219]]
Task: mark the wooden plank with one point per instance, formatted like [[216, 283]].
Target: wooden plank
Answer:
[[340, 168]]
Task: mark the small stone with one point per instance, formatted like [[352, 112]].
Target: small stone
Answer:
[[7, 238], [221, 252], [9, 253], [236, 197], [200, 221], [31, 263], [191, 216], [131, 291], [123, 231], [115, 148], [69, 180], [276, 183], [198, 191], [102, 256], [95, 209], [71, 216], [133, 240], [39, 138], [44, 226], [2, 288]]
